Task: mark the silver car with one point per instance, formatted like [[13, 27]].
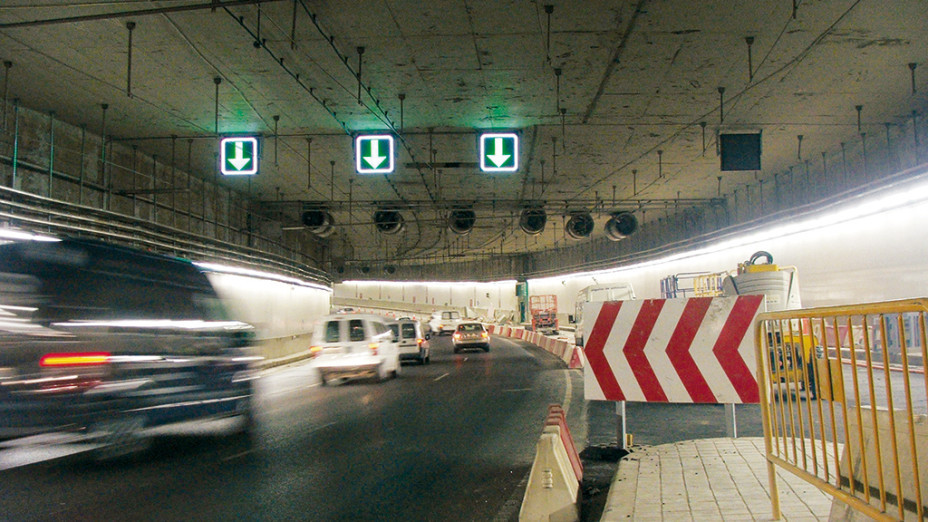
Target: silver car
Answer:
[[471, 335]]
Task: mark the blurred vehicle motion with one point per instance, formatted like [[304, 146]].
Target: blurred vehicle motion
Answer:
[[355, 345], [443, 321], [112, 342]]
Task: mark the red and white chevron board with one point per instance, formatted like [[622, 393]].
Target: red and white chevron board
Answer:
[[672, 350]]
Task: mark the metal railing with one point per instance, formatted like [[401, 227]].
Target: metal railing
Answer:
[[40, 214], [844, 401]]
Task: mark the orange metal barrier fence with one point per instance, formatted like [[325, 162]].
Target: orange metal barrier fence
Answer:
[[844, 401]]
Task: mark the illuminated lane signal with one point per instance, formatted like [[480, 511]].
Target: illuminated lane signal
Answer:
[[499, 152], [239, 156], [373, 154]]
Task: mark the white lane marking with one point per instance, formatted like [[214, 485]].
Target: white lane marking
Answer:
[[442, 376], [237, 455], [517, 390]]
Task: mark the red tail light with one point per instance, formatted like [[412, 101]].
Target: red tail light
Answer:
[[457, 335], [420, 340], [54, 360], [484, 335]]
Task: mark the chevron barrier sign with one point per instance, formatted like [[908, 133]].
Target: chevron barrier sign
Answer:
[[697, 350]]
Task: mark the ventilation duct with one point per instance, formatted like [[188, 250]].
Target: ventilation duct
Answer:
[[621, 225], [389, 269], [532, 221], [389, 221], [365, 269], [319, 222], [461, 220], [579, 226]]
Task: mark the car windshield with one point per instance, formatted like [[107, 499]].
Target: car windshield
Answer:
[[331, 331], [355, 330], [450, 315], [470, 327], [409, 330], [395, 328]]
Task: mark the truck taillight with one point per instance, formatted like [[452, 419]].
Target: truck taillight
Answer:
[[374, 347], [314, 350], [484, 335], [57, 360], [457, 335], [420, 340]]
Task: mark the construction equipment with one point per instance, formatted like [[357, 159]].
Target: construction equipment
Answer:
[[543, 309]]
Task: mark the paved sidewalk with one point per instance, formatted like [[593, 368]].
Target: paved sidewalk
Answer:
[[707, 479]]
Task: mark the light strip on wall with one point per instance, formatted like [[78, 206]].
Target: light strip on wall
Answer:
[[235, 270], [865, 205]]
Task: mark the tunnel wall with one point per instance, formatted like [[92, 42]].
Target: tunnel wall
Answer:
[[864, 258], [283, 314]]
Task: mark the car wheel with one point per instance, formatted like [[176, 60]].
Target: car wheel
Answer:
[[122, 436], [396, 373], [323, 378], [248, 423], [457, 350], [382, 373], [486, 348]]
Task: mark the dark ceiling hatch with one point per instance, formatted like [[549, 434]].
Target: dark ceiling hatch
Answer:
[[389, 221], [579, 226], [461, 220], [621, 225], [532, 220], [319, 222], [740, 151]]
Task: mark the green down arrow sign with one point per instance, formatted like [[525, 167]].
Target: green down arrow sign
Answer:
[[239, 156], [374, 154], [499, 152]]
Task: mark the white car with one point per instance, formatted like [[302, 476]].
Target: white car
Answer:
[[444, 321], [412, 343], [355, 345]]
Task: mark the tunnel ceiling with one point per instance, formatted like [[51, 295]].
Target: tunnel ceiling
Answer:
[[618, 104]]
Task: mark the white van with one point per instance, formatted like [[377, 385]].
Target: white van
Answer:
[[444, 321], [622, 291], [354, 345]]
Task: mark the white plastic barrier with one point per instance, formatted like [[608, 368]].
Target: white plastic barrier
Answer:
[[553, 491], [568, 352]]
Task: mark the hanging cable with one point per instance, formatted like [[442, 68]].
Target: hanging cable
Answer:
[[131, 27], [360, 63], [217, 80]]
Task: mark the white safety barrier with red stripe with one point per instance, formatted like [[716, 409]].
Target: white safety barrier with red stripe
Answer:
[[553, 489], [697, 350], [570, 354]]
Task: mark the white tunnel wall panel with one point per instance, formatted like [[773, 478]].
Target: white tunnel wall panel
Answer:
[[274, 308]]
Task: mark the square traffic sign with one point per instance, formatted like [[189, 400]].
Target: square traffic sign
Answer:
[[239, 156], [373, 154], [499, 152]]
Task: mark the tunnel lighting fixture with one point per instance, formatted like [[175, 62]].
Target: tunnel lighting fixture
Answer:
[[499, 152], [7, 234], [373, 154], [237, 270], [860, 206], [239, 156]]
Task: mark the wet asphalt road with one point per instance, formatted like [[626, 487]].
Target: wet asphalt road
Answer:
[[452, 440]]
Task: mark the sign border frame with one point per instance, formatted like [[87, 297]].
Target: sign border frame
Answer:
[[222, 156]]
